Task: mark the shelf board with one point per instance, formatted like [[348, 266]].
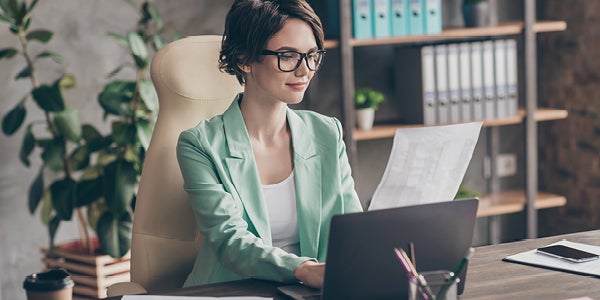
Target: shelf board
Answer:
[[389, 130], [510, 28], [513, 201]]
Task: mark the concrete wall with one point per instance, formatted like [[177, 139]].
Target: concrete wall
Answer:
[[80, 28]]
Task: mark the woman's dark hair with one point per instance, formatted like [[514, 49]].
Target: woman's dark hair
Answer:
[[250, 24]]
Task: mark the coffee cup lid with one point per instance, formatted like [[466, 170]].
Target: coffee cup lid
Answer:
[[52, 280]]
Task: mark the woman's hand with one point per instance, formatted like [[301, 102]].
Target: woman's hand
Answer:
[[310, 273]]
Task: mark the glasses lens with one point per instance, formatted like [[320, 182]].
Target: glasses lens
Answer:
[[288, 61], [314, 60]]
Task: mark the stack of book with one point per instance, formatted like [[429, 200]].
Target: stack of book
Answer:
[[457, 82]]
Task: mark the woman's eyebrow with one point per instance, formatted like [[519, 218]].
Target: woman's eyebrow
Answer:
[[287, 48]]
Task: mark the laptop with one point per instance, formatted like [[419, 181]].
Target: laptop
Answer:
[[361, 263]]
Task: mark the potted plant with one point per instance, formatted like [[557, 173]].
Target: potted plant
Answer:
[[85, 174], [478, 13], [366, 102]]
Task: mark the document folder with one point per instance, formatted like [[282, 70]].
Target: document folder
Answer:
[[591, 268], [381, 18], [415, 18], [511, 72], [489, 90], [476, 81], [454, 83], [361, 18], [464, 57], [441, 84], [501, 88], [400, 20], [415, 82], [432, 16]]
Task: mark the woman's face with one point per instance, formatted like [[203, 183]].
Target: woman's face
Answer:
[[271, 84]]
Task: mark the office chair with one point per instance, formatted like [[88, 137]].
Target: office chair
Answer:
[[165, 238]]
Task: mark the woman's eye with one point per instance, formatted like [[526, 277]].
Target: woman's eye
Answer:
[[286, 56]]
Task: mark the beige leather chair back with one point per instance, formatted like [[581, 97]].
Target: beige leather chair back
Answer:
[[190, 88]]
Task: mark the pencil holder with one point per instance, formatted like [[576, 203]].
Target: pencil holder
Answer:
[[437, 285]]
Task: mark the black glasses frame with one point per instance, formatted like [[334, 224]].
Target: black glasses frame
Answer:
[[303, 56]]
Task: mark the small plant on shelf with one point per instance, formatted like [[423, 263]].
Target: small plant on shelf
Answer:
[[366, 102]]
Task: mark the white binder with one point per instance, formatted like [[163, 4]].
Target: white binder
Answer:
[[441, 84], [466, 105], [501, 79], [454, 83], [489, 90], [415, 84], [477, 80], [512, 73]]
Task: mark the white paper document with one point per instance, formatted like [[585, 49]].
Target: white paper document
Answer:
[[426, 165], [541, 260], [154, 297]]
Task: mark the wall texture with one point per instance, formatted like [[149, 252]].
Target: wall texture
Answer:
[[569, 150], [80, 28]]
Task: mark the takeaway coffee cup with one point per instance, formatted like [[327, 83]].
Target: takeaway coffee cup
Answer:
[[56, 284]]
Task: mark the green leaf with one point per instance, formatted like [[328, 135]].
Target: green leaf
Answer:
[[4, 18], [36, 191], [13, 120], [123, 134], [116, 97], [155, 15], [88, 191], [53, 154], [115, 71], [25, 73], [52, 229], [115, 234], [32, 5], [99, 144], [67, 81], [80, 158], [46, 211], [121, 39], [157, 42], [138, 49], [64, 197], [8, 53], [89, 133], [41, 35], [49, 98], [148, 94], [67, 123], [119, 182], [27, 146], [57, 58], [144, 132]]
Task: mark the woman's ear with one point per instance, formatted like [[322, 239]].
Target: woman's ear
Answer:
[[245, 68]]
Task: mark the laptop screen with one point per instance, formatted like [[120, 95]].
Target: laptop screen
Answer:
[[361, 263]]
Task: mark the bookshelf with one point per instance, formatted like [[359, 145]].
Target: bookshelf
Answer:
[[498, 202]]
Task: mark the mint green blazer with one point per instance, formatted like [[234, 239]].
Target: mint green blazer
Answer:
[[221, 178]]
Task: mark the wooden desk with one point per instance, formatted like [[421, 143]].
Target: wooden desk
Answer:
[[488, 277]]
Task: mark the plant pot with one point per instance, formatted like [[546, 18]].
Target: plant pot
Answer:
[[92, 273], [365, 118], [478, 15]]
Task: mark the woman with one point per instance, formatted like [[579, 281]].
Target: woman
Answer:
[[265, 180]]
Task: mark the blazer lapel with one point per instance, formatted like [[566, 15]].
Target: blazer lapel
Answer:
[[243, 171], [307, 174]]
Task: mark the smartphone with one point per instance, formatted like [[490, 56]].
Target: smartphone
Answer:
[[567, 253]]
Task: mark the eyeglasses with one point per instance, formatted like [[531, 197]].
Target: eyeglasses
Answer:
[[289, 61]]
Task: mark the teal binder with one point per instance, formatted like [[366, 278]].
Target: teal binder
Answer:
[[361, 17], [432, 16], [399, 17], [381, 18], [415, 16]]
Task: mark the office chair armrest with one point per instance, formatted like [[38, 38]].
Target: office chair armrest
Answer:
[[125, 288]]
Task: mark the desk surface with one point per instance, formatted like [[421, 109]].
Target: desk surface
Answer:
[[488, 277]]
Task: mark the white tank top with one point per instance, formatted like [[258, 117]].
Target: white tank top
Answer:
[[283, 218]]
